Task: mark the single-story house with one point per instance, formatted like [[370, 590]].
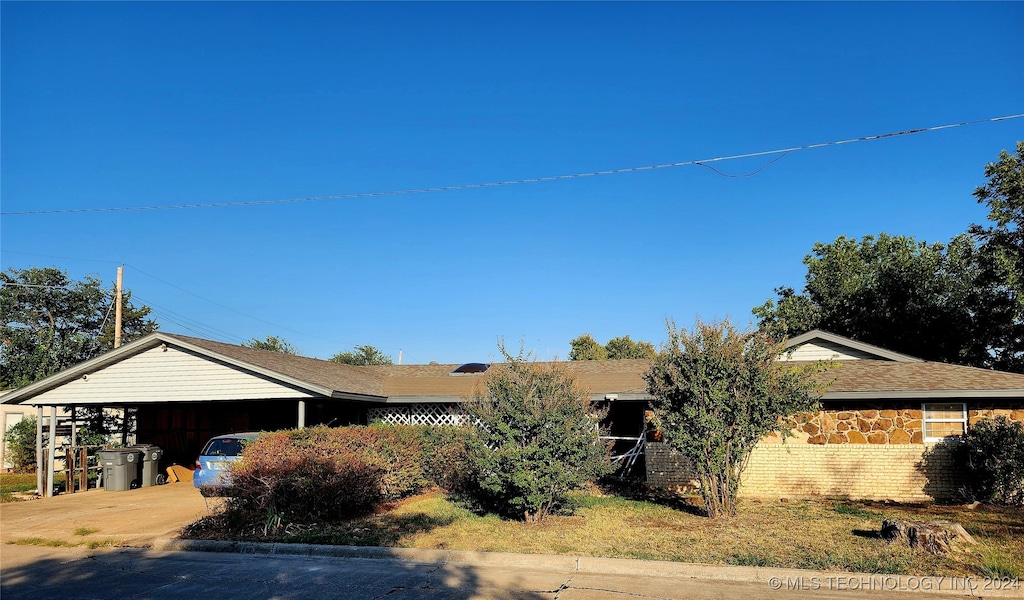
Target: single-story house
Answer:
[[877, 435]]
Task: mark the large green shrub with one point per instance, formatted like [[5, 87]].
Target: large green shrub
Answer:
[[21, 445], [321, 475], [446, 456], [537, 439], [716, 392], [991, 461]]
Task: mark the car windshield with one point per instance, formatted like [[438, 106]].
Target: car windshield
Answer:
[[224, 447]]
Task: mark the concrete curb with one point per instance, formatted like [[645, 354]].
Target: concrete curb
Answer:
[[772, 578]]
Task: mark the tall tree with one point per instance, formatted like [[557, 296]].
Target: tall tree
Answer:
[[716, 392], [362, 355], [935, 301], [273, 344], [585, 347], [623, 348], [51, 322], [1002, 247], [1003, 194], [962, 302]]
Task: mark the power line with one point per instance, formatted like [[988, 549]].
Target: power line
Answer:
[[228, 308], [189, 323], [470, 186]]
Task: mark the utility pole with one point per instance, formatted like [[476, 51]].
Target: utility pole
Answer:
[[117, 309]]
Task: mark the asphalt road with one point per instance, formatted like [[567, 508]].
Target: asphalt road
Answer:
[[33, 572]]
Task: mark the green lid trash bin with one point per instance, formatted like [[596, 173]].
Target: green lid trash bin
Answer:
[[150, 465], [120, 469]]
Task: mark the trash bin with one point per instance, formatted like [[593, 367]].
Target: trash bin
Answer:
[[150, 466], [120, 468]]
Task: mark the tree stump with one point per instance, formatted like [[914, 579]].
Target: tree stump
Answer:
[[936, 537]]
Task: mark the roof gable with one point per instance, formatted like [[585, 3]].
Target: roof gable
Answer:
[[822, 345], [316, 377]]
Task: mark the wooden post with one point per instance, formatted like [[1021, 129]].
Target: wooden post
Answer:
[[302, 414], [83, 462], [117, 308], [45, 485]]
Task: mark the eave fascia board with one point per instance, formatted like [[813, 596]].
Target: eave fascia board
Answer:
[[923, 394], [358, 397], [845, 341]]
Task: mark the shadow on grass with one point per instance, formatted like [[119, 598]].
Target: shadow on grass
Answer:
[[870, 534], [375, 530], [641, 492]]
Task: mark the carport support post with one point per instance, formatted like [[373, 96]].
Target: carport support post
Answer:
[[39, 450], [53, 447], [302, 414]]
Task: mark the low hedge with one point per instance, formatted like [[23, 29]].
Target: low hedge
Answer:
[[323, 475]]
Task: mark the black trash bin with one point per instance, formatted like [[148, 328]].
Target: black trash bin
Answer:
[[149, 469], [120, 468]]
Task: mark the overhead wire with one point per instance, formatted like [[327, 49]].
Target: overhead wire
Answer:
[[189, 323], [469, 186], [225, 307]]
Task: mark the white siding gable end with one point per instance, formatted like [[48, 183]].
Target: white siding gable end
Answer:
[[167, 373], [824, 350]]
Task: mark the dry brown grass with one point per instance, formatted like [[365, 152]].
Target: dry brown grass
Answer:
[[818, 534]]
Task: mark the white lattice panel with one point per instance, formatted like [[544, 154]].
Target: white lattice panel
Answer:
[[418, 414]]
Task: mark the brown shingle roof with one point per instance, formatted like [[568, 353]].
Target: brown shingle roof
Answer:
[[607, 376], [888, 376], [323, 373]]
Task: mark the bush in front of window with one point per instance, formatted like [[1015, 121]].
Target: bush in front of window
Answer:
[[991, 456]]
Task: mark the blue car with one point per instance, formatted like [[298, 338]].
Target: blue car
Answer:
[[216, 457]]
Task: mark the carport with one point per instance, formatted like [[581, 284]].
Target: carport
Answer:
[[176, 392]]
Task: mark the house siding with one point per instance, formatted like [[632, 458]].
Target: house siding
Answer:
[[824, 350], [171, 374]]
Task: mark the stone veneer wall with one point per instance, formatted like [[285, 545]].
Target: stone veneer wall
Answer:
[[904, 473], [873, 425]]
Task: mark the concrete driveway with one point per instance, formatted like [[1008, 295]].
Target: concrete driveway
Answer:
[[133, 518]]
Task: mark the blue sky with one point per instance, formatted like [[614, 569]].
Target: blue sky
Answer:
[[142, 104]]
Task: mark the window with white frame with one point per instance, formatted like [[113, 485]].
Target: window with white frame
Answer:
[[944, 420]]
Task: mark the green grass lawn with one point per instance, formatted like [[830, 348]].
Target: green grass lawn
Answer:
[[15, 482], [818, 534]]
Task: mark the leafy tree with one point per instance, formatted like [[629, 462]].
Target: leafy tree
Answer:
[[1002, 246], [623, 347], [585, 347], [362, 355], [51, 322], [716, 393], [1004, 196], [537, 438], [20, 439], [273, 344], [938, 302]]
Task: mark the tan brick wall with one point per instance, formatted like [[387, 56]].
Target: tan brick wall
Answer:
[[900, 472]]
